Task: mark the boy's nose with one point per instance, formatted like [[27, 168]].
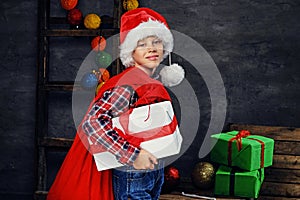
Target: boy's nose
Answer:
[[151, 47]]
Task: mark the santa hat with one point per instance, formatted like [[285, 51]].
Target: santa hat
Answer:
[[140, 23]]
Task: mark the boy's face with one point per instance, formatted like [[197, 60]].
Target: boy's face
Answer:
[[148, 54]]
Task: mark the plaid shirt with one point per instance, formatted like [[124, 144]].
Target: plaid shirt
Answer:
[[98, 123]]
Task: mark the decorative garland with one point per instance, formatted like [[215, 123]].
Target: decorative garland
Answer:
[[93, 21]]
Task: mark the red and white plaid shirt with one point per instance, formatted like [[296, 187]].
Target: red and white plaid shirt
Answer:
[[98, 123]]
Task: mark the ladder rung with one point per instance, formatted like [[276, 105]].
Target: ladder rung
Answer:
[[66, 86], [82, 32], [40, 195], [55, 142]]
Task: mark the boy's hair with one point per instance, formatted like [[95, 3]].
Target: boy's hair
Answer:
[[138, 24]]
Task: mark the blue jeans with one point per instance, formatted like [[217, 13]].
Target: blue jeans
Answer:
[[138, 184]]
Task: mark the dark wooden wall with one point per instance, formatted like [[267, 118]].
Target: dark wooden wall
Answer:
[[255, 45]]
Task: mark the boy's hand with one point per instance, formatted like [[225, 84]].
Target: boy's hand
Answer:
[[145, 160]]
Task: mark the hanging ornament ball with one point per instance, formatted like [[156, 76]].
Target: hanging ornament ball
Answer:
[[103, 75], [89, 80], [74, 16], [68, 4], [92, 21], [130, 4], [203, 175], [103, 59], [172, 179], [98, 43], [99, 86]]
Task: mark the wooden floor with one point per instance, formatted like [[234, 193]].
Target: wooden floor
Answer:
[[182, 197]]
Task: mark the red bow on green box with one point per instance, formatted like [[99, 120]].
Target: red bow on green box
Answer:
[[238, 138]]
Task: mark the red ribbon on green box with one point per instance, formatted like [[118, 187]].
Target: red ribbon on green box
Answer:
[[238, 138]]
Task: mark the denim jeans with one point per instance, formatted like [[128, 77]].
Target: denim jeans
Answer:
[[129, 183]]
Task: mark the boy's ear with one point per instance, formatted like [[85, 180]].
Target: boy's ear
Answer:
[[171, 75]]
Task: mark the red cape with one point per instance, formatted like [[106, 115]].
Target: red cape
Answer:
[[78, 177]]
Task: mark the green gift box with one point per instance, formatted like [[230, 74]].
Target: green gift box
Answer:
[[232, 182], [242, 150]]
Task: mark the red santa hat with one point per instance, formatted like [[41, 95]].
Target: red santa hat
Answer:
[[140, 23]]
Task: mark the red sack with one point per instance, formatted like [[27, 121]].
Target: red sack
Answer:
[[79, 179]]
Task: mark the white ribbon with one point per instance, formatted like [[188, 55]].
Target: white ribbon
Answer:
[[197, 196]]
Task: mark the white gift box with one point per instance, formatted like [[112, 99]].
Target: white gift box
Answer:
[[156, 123]]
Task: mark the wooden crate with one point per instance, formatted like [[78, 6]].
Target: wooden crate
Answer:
[[282, 179]]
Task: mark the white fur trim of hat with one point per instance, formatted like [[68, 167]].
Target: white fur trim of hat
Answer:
[[144, 30]]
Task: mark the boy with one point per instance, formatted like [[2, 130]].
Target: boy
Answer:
[[145, 40]]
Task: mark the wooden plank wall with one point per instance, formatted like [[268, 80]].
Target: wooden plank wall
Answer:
[[282, 179]]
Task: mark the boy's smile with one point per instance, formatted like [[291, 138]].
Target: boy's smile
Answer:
[[153, 57], [148, 54]]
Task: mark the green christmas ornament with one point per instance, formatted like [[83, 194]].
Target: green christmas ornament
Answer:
[[103, 59]]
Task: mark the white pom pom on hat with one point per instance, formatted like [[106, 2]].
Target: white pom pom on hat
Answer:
[[171, 75], [140, 23]]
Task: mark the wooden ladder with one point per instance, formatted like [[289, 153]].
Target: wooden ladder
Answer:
[[44, 86]]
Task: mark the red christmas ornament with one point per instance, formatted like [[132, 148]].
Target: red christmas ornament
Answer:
[[172, 179], [75, 17], [68, 4], [98, 43]]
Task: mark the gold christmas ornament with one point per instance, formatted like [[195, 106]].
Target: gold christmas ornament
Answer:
[[92, 21], [203, 175], [130, 4], [99, 86]]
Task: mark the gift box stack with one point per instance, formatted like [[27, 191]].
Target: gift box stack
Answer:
[[242, 158]]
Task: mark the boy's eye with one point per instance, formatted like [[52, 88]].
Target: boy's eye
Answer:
[[157, 42], [141, 44]]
